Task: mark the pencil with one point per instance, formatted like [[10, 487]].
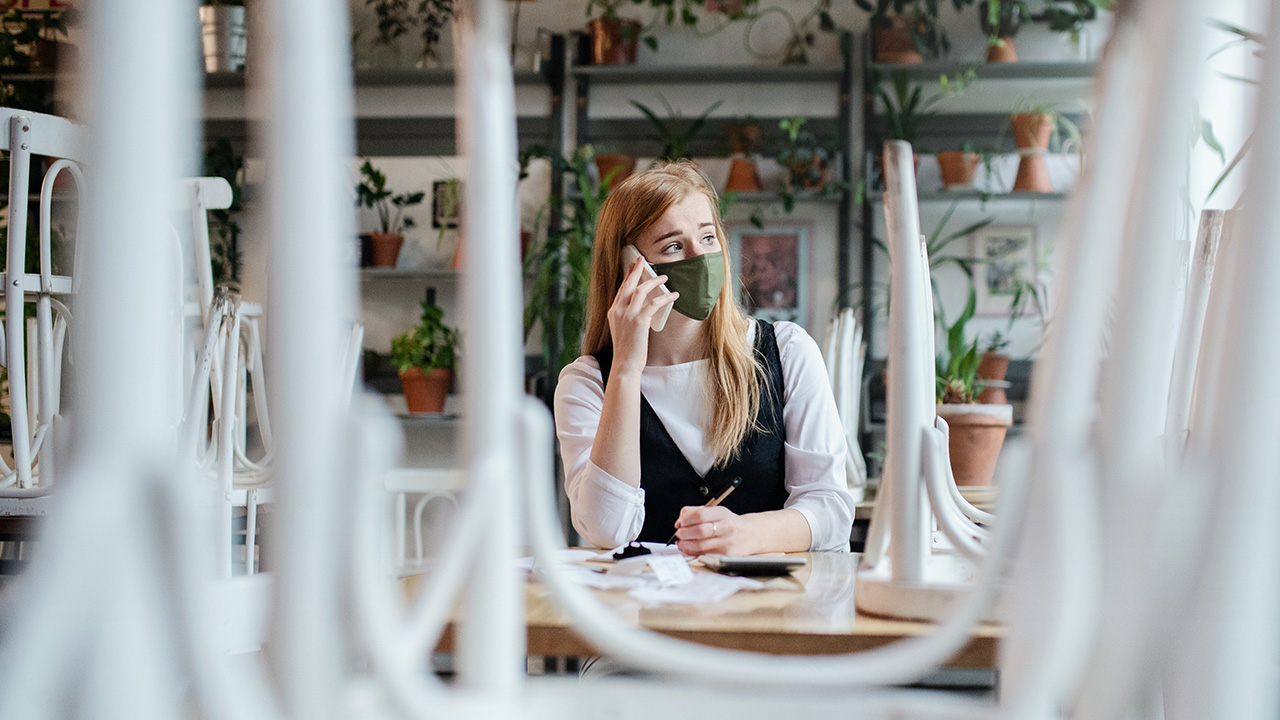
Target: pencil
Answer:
[[715, 501]]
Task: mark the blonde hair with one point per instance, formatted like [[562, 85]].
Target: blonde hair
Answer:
[[633, 206]]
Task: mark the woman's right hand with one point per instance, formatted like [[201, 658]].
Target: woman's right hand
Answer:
[[630, 315]]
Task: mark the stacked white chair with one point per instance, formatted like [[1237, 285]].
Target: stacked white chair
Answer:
[[845, 353], [33, 350]]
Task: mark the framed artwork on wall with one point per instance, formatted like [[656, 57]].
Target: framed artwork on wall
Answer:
[[772, 267], [446, 203], [1005, 259]]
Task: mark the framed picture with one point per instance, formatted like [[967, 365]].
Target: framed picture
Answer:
[[446, 201], [772, 267], [1005, 259]]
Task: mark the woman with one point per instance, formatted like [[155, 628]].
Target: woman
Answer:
[[653, 425]]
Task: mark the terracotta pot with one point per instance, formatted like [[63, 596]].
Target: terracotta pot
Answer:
[[1003, 51], [610, 44], [1031, 132], [958, 168], [386, 248], [894, 43], [743, 177], [993, 366], [424, 392], [620, 165], [977, 433]]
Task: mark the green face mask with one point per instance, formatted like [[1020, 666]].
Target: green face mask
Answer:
[[698, 280]]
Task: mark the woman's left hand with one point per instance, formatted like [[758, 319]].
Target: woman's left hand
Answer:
[[707, 530]]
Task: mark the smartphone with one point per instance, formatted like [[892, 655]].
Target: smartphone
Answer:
[[629, 255], [753, 566]]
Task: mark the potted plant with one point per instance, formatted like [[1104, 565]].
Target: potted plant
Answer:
[[425, 358], [372, 192], [744, 145], [675, 131], [561, 263], [1036, 128], [1069, 16], [614, 167], [614, 40], [907, 31], [906, 106], [994, 366], [804, 159], [1000, 21], [958, 167], [976, 430], [397, 17]]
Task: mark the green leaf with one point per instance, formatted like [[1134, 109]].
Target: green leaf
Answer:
[[1244, 149]]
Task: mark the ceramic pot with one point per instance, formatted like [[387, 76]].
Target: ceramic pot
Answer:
[[894, 42], [1031, 132], [958, 168], [614, 41], [620, 165], [425, 391], [1002, 51], [743, 177], [977, 433], [386, 248], [993, 366]]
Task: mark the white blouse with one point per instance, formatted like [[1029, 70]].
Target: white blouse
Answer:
[[608, 512]]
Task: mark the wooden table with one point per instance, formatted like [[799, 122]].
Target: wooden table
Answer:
[[811, 614]]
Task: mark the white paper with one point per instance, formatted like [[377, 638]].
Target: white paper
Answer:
[[592, 578], [704, 588], [562, 556], [670, 569]]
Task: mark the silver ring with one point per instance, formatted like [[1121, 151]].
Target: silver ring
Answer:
[[715, 532]]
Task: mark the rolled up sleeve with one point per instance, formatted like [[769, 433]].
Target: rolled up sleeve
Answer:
[[605, 511]]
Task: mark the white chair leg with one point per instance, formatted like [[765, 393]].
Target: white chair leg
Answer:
[[402, 521], [250, 532]]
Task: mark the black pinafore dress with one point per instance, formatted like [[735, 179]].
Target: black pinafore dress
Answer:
[[670, 482]]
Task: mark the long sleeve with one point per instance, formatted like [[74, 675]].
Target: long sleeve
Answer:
[[605, 511], [815, 447]]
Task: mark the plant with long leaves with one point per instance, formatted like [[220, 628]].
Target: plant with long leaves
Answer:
[[957, 368], [926, 32], [675, 130], [907, 105], [561, 264], [1202, 129]]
